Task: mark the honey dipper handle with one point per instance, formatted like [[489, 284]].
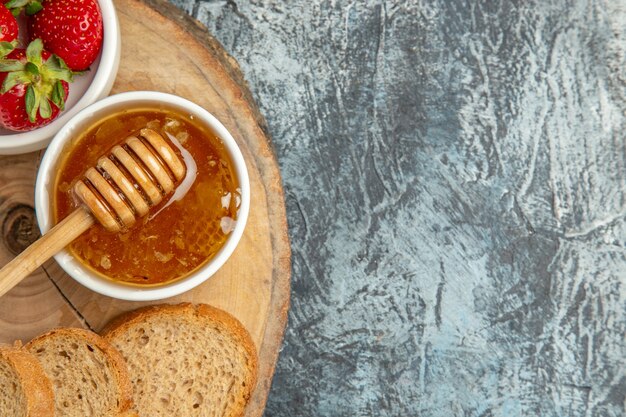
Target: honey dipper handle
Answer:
[[52, 242]]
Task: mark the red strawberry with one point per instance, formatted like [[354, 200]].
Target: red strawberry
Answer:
[[34, 86], [8, 25], [71, 29]]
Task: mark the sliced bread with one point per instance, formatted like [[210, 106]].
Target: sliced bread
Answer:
[[186, 360], [25, 390], [88, 375]]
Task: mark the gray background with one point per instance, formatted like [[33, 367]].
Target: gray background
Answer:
[[455, 178]]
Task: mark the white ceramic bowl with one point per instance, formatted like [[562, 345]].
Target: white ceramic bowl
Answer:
[[86, 89], [48, 170]]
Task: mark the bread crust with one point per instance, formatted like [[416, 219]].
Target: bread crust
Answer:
[[35, 384], [118, 364], [125, 321]]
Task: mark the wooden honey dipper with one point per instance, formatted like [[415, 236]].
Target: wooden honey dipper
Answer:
[[111, 195]]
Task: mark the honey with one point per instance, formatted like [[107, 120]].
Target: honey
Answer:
[[181, 233]]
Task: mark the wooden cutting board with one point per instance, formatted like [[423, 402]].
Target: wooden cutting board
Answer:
[[165, 50]]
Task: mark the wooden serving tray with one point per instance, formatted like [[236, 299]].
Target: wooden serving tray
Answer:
[[165, 50]]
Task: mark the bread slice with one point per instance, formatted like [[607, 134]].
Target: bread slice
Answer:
[[186, 360], [25, 390], [88, 375]]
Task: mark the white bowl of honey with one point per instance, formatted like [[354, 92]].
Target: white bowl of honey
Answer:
[[187, 237]]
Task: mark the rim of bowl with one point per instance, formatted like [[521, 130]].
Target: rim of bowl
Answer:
[[47, 172], [100, 87]]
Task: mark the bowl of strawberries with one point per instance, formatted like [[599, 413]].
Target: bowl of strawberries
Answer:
[[56, 58]]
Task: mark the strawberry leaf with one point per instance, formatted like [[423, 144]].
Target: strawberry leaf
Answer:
[[33, 52], [33, 7], [58, 95], [8, 65], [6, 48], [16, 4], [31, 68], [30, 6], [45, 111], [31, 103], [55, 68], [12, 79]]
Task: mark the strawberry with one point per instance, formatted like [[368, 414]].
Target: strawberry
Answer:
[[8, 25], [34, 86], [71, 29]]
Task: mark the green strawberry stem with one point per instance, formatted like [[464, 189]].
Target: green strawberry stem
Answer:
[[30, 6]]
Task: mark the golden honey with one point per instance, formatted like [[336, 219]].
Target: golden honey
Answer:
[[179, 235]]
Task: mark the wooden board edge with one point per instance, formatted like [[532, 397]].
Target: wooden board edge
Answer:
[[270, 174], [201, 34]]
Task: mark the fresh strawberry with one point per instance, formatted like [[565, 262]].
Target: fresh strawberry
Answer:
[[71, 29], [8, 25], [34, 86]]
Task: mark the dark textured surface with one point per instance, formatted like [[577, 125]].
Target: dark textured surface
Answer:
[[455, 176]]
